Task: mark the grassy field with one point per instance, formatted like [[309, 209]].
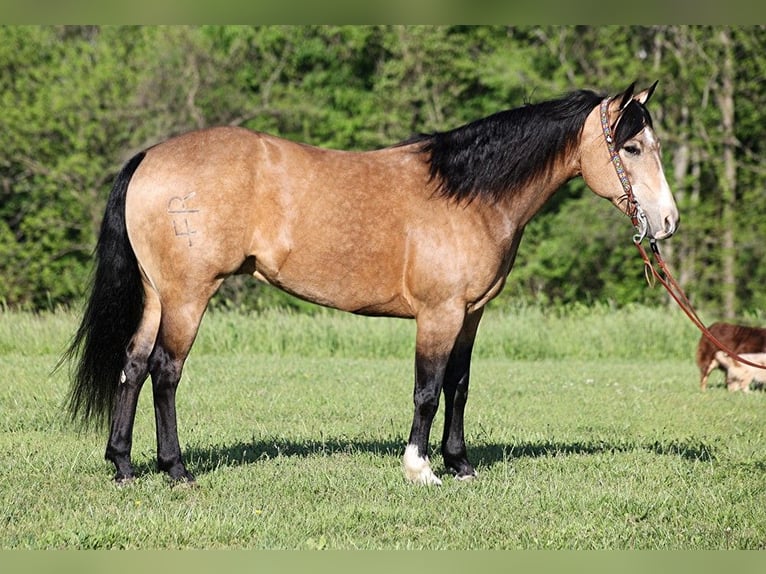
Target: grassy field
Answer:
[[586, 427]]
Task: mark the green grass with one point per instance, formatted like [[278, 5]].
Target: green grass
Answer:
[[586, 427]]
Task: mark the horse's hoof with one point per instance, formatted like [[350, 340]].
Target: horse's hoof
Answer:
[[467, 477], [184, 480], [417, 469], [426, 479], [124, 480], [183, 484], [424, 476]]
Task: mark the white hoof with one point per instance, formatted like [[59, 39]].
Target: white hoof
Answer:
[[417, 469]]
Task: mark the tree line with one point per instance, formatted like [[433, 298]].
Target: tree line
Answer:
[[78, 101]]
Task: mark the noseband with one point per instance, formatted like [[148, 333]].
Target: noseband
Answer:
[[637, 215]]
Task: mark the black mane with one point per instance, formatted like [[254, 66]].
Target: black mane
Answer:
[[501, 153]]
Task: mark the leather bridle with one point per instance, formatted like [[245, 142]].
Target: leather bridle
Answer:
[[637, 215]]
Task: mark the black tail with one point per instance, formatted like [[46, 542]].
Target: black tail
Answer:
[[112, 314]]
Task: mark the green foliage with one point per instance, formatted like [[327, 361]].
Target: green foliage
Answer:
[[79, 100]]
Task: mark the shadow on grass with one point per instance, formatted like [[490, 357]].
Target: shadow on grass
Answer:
[[205, 459], [690, 450]]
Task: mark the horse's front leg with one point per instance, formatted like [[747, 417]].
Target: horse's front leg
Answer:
[[455, 397], [436, 334]]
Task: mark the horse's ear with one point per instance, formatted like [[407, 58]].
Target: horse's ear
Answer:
[[643, 97], [626, 96]]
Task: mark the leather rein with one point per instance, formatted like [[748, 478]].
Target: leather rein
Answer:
[[638, 217]]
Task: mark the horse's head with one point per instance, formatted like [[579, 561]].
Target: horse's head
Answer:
[[620, 160]]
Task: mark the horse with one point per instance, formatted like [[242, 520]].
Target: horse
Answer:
[[426, 229]]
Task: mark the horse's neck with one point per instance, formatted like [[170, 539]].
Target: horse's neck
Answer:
[[506, 219], [522, 206]]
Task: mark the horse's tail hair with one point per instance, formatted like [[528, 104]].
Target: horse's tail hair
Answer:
[[97, 353]]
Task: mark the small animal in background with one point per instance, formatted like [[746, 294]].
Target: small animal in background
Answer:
[[738, 338], [739, 376]]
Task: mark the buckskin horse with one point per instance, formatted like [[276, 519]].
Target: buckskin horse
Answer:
[[425, 229]]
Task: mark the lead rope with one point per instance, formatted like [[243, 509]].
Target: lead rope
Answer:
[[638, 217]]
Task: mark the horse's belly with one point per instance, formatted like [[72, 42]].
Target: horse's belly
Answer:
[[356, 284]]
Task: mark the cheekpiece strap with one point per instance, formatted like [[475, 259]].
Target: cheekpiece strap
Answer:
[[636, 213], [616, 161]]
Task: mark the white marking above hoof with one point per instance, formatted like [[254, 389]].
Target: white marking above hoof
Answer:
[[417, 469]]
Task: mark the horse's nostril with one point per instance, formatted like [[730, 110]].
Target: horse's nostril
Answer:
[[670, 224]]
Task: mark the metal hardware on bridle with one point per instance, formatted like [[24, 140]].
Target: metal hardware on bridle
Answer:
[[638, 217]]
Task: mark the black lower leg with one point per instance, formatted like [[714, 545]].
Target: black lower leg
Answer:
[[166, 373], [456, 381], [428, 378], [453, 441], [120, 440]]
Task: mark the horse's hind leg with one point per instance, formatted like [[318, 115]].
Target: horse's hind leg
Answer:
[[132, 379], [180, 322]]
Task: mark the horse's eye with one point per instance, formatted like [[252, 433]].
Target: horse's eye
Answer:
[[632, 150]]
